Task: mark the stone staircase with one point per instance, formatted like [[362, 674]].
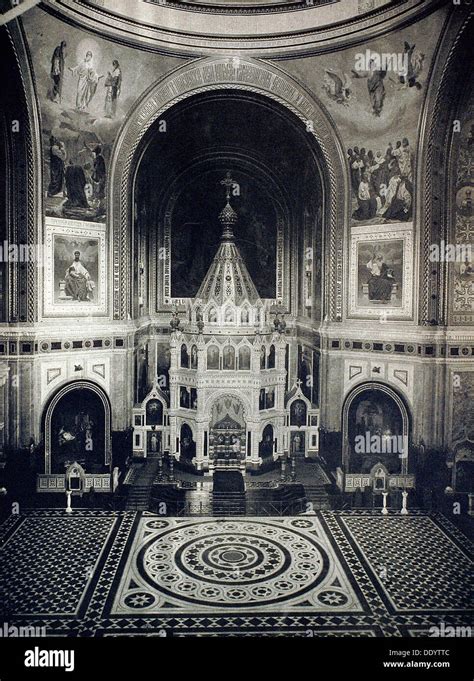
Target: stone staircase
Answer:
[[228, 503], [316, 494], [228, 493], [140, 490]]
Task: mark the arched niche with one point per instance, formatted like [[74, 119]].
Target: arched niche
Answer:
[[77, 427], [212, 356], [376, 430], [228, 358], [154, 412], [245, 355], [184, 356]]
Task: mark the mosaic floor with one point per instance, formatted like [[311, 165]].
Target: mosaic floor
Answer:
[[96, 573]]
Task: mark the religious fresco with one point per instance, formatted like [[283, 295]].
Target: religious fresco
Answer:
[[76, 266], [373, 415], [462, 411], [381, 271], [86, 86], [298, 413], [75, 269], [382, 183], [462, 307], [375, 93], [154, 413]]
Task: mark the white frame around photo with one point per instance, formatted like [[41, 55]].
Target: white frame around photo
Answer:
[[58, 227], [372, 234]]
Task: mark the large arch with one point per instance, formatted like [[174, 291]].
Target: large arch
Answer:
[[53, 403], [218, 73], [434, 198]]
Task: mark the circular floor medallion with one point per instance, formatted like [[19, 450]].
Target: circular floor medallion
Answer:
[[236, 562]]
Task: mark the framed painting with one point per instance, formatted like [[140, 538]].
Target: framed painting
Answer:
[[381, 272], [75, 269]]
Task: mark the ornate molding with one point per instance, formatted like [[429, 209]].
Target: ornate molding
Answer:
[[27, 186], [167, 29], [251, 7]]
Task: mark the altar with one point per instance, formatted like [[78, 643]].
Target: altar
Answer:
[[227, 444]]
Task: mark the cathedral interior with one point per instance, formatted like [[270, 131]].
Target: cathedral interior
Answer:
[[236, 317]]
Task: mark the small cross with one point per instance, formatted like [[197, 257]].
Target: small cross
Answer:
[[227, 182], [299, 382]]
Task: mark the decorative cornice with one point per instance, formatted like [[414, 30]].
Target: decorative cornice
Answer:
[[315, 29], [249, 7]]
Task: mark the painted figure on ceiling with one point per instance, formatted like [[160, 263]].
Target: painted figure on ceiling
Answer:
[[99, 175], [87, 82], [76, 181], [57, 158], [57, 72], [375, 85], [113, 85]]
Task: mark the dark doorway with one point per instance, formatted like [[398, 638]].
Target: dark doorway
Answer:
[[265, 447], [187, 444]]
